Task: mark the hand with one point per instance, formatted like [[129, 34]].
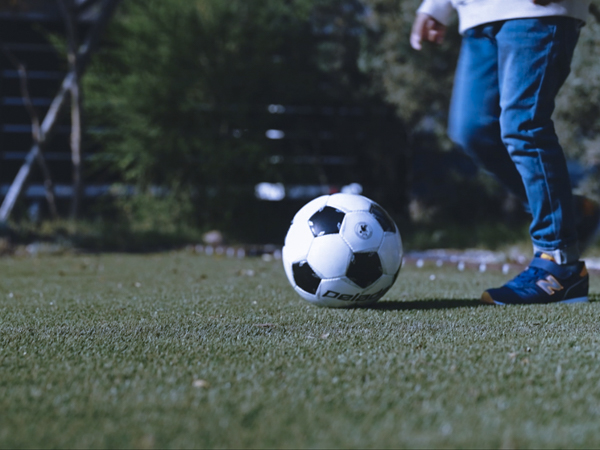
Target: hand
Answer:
[[427, 28], [545, 2]]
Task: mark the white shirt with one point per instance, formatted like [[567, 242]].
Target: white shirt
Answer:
[[477, 12]]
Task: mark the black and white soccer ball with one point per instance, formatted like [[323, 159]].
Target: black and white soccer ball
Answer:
[[342, 250]]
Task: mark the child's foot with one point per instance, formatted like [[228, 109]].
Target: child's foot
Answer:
[[588, 221], [543, 281]]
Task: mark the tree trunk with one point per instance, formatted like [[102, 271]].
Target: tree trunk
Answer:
[[70, 16]]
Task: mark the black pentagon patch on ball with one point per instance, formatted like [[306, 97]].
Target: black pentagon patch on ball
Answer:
[[383, 218], [326, 221], [305, 278], [365, 269]]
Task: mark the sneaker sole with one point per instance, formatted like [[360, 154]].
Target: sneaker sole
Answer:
[[488, 300], [575, 300]]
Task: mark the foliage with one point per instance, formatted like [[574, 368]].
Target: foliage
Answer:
[[150, 230], [179, 97], [170, 94], [419, 85], [169, 64], [578, 105]]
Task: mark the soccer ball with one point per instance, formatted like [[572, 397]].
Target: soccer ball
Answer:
[[342, 250]]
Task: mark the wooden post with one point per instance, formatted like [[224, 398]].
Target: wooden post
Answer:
[[35, 130], [84, 53], [69, 13]]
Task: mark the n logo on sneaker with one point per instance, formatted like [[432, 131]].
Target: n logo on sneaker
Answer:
[[550, 285]]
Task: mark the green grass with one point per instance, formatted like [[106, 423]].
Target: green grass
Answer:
[[108, 351]]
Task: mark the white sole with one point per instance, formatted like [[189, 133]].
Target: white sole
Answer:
[[575, 300], [571, 300]]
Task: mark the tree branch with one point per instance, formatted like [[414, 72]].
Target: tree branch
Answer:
[[36, 131]]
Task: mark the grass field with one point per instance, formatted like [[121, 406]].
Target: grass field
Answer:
[[178, 350]]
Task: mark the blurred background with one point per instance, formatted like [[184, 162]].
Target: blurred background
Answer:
[[144, 124]]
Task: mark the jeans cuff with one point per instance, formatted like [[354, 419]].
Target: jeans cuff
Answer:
[[567, 255]]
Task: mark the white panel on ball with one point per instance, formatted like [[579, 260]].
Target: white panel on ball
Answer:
[[298, 241], [297, 244], [390, 253], [329, 256], [362, 231], [349, 202], [287, 266], [338, 293]]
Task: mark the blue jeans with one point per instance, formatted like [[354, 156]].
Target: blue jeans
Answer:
[[507, 78]]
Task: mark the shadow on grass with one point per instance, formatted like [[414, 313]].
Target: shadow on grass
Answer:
[[426, 304], [395, 305]]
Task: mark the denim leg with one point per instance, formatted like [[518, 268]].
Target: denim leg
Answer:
[[474, 120], [534, 57]]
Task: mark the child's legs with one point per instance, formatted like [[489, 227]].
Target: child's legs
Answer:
[[534, 57], [474, 122]]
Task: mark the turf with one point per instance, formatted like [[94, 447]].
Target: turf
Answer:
[[178, 350]]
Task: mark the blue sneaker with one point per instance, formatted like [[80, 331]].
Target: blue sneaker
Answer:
[[543, 281]]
